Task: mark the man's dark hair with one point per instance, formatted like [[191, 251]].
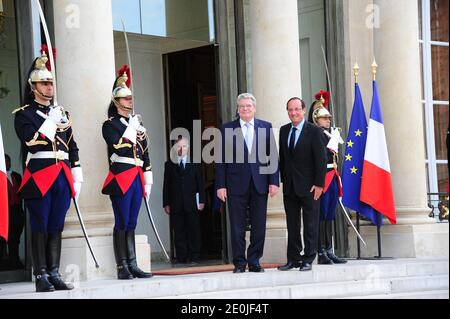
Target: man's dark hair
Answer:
[[293, 99]]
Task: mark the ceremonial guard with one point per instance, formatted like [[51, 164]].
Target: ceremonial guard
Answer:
[[130, 176], [320, 116], [52, 173]]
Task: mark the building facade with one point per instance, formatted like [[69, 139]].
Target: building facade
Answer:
[[192, 58]]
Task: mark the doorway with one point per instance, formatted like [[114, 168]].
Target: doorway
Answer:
[[17, 47], [191, 94]]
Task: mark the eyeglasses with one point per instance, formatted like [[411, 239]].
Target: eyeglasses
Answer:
[[245, 106]]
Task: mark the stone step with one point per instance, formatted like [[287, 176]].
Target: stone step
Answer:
[[341, 289], [351, 279], [433, 294]]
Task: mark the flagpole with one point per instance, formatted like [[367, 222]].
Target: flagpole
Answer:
[[374, 67], [379, 236], [358, 242]]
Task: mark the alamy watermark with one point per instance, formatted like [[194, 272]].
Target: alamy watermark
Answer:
[[373, 19], [73, 16], [228, 146]]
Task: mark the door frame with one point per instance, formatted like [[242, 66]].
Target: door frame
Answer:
[[168, 116], [28, 32]]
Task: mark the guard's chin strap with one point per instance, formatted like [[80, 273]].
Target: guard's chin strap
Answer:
[[123, 107], [40, 94]]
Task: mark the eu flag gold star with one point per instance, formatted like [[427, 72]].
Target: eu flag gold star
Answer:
[[358, 133], [354, 170], [348, 158], [350, 144]]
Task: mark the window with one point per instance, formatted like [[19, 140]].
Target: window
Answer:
[[180, 19], [434, 41]]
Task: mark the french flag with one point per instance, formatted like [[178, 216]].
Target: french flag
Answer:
[[3, 192], [376, 184]]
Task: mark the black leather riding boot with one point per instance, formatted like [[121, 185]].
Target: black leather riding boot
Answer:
[[335, 258], [323, 258], [120, 253], [329, 244], [53, 259], [38, 247], [132, 263]]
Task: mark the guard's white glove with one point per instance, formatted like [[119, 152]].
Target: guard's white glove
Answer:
[[55, 116], [137, 124], [335, 140], [148, 181], [148, 190], [77, 176], [131, 131], [134, 122]]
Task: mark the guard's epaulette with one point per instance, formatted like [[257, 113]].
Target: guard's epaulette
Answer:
[[20, 109]]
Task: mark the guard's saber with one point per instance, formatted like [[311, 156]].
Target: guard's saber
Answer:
[[350, 222], [128, 57], [152, 222], [50, 50], [84, 232], [149, 212], [55, 103], [329, 84]]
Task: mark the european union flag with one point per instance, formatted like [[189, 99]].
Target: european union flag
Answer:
[[354, 160]]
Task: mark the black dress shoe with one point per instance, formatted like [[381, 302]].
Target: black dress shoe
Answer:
[[290, 265], [239, 270], [255, 268], [305, 267]]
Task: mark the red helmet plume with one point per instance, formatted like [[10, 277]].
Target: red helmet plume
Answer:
[[44, 48], [125, 69], [325, 95]]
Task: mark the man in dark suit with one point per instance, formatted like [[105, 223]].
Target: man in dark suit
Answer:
[[16, 215], [183, 198], [246, 175], [11, 260], [303, 165]]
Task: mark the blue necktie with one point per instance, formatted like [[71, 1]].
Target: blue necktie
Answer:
[[292, 140]]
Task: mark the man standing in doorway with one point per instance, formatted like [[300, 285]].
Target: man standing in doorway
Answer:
[[183, 199], [303, 165], [16, 216], [247, 174]]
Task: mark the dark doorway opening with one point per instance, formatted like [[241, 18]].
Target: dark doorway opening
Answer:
[[191, 94]]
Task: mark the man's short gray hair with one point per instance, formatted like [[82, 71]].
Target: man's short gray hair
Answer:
[[244, 96]]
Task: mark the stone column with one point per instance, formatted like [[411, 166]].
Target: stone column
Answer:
[[399, 84], [276, 78], [85, 74]]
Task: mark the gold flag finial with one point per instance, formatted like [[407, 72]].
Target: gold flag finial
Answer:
[[374, 69], [356, 72]]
